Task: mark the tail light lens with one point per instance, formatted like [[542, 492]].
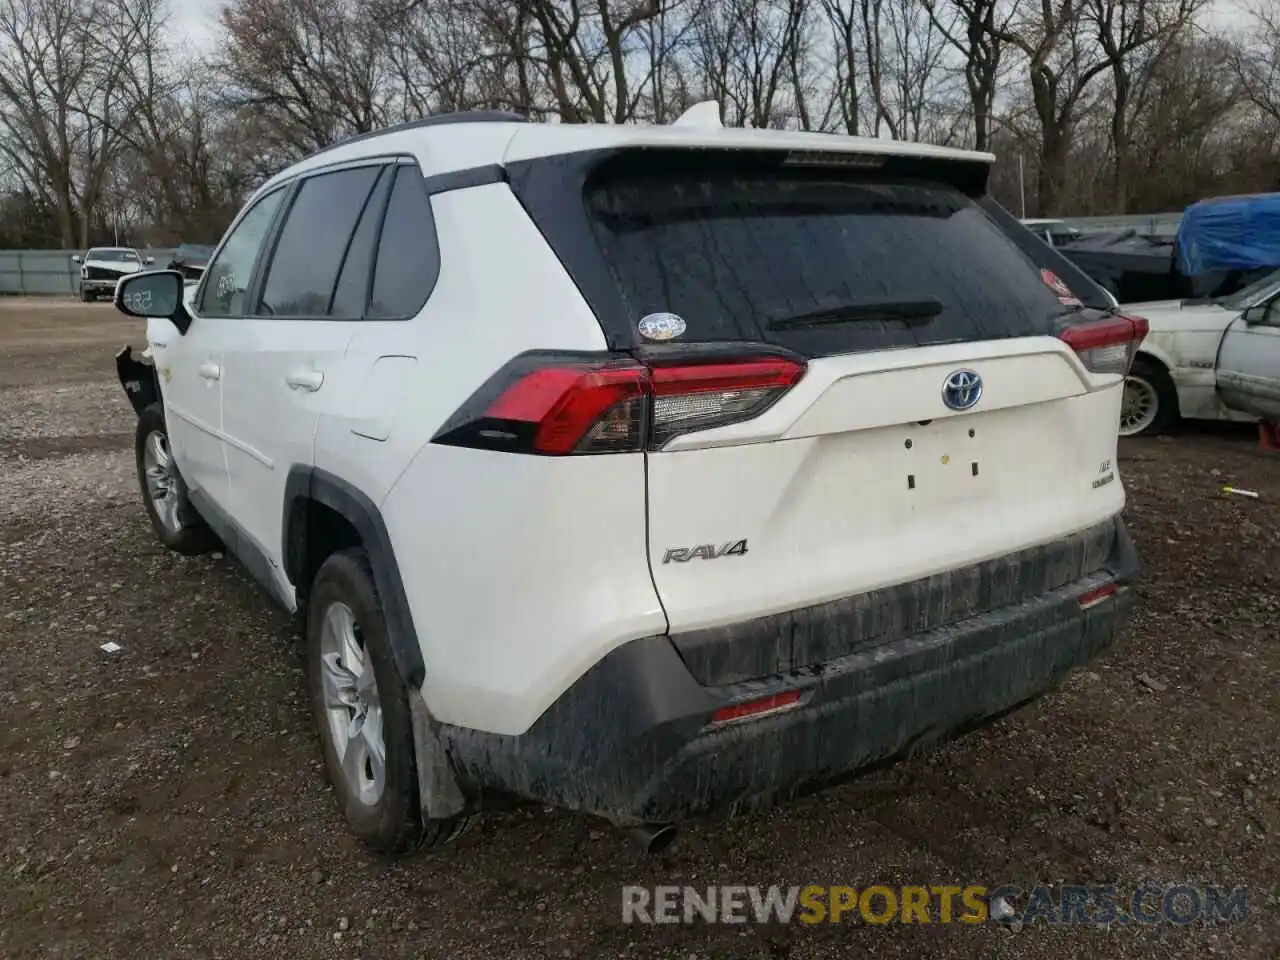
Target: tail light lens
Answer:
[[561, 408], [692, 398], [1107, 346]]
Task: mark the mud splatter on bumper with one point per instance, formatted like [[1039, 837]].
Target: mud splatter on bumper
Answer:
[[633, 739]]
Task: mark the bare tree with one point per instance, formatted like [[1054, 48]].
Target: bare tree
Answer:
[[314, 66], [978, 31], [743, 56], [66, 96], [1256, 61], [1134, 35]]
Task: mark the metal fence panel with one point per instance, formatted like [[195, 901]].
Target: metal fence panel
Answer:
[[39, 273]]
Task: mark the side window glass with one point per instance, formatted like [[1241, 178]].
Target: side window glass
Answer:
[[408, 257], [352, 293], [227, 282], [313, 241]]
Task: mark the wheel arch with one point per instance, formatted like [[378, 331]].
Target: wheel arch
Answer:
[[1150, 351], [307, 488], [1166, 392]]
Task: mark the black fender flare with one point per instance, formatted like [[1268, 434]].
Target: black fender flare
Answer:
[[311, 483], [141, 385]]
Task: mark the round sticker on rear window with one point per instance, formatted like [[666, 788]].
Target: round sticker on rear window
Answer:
[[661, 326]]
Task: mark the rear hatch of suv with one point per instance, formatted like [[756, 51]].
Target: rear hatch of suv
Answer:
[[873, 408]]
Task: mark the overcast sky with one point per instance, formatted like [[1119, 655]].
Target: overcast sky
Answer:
[[197, 20]]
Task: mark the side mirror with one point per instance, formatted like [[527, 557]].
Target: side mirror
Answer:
[[1259, 313], [77, 258], [153, 293]]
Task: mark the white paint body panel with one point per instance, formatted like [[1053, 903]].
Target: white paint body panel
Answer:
[[821, 492], [269, 425], [192, 403], [1249, 369]]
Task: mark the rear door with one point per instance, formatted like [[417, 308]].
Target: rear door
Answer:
[[939, 420], [283, 362]]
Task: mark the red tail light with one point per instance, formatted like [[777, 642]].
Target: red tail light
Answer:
[[564, 407], [1107, 346]]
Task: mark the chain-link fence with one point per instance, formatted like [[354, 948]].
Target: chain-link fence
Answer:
[[40, 273]]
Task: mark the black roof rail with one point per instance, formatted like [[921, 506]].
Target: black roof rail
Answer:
[[440, 120]]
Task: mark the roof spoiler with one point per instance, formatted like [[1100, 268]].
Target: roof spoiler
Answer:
[[704, 114]]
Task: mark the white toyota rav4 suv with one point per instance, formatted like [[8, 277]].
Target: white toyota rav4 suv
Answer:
[[641, 471]]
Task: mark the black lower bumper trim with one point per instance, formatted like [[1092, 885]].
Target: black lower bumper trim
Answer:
[[632, 740]]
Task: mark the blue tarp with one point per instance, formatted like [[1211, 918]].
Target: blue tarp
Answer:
[[1230, 233]]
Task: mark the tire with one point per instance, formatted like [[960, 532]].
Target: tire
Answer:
[[346, 639], [164, 493], [86, 296], [1150, 401]]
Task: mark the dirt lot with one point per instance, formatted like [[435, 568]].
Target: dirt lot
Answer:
[[168, 800]]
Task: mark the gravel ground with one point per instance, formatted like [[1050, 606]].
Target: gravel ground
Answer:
[[168, 800]]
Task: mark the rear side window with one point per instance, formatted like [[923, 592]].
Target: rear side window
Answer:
[[313, 241], [819, 260], [408, 256]]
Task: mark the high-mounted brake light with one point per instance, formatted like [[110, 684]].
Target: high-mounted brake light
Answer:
[[564, 407], [1107, 346]]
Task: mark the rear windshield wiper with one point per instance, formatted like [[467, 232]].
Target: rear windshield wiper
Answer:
[[910, 312]]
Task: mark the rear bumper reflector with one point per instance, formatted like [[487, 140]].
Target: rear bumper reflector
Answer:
[[755, 709], [1094, 597]]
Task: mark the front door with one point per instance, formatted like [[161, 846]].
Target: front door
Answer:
[[190, 365], [188, 368], [1248, 368]]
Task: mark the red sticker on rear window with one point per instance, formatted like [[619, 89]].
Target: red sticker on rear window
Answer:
[[1063, 292]]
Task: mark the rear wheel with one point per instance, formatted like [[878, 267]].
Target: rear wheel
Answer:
[[361, 708], [1150, 404], [176, 522], [86, 296]]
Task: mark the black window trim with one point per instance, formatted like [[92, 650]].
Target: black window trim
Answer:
[[434, 184], [430, 227], [198, 299], [273, 238]]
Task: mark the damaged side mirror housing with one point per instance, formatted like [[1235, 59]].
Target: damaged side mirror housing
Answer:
[[1261, 313], [153, 293]]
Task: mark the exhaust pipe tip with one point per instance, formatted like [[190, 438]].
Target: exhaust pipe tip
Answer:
[[654, 837]]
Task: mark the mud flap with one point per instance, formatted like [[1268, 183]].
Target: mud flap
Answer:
[[138, 379], [438, 789]]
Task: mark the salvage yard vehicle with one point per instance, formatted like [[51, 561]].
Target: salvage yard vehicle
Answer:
[[102, 267], [1248, 362], [642, 471], [1176, 374]]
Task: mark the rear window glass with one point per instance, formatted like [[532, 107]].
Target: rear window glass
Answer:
[[770, 256]]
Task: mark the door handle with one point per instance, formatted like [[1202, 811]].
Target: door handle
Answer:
[[210, 370], [305, 380]]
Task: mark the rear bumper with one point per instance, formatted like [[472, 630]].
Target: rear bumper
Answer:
[[633, 740]]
